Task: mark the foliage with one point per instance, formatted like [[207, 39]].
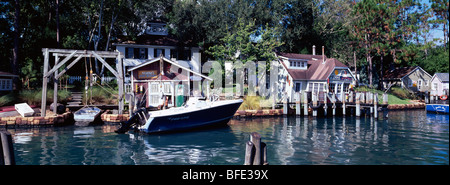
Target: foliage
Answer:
[[251, 103], [100, 96], [384, 33], [33, 97], [7, 99]]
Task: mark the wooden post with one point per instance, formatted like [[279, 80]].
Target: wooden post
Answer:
[[314, 99], [358, 105], [385, 99], [6, 149], [297, 104], [55, 87], [264, 153], [350, 97], [375, 105], [255, 138], [285, 105], [249, 153], [305, 103], [44, 84], [120, 82], [334, 104], [325, 106], [343, 107]]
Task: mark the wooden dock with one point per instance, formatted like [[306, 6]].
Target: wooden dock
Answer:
[[322, 103]]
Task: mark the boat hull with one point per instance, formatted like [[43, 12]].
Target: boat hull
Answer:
[[213, 116], [439, 108], [87, 116]]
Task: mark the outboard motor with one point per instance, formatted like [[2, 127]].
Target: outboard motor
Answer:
[[135, 120]]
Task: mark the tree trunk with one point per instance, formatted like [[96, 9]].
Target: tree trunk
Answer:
[[98, 35], [57, 25], [15, 59]]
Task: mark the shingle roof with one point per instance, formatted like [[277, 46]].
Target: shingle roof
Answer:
[[442, 76], [317, 70], [398, 73]]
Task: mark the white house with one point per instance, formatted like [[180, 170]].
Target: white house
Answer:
[[312, 73], [156, 41], [439, 84]]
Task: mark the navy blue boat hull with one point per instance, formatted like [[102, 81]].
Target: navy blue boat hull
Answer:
[[440, 108], [216, 116]]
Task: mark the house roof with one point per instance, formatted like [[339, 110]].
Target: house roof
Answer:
[[400, 72], [444, 77], [2, 73], [169, 61], [158, 40], [317, 70], [300, 56]]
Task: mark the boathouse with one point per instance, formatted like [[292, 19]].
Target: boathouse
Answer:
[[312, 73], [152, 43], [158, 77], [413, 79], [439, 84]]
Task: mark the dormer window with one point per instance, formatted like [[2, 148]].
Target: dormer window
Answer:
[[297, 64]]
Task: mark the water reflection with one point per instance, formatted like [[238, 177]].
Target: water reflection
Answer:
[[407, 137]]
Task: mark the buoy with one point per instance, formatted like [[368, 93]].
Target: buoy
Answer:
[[443, 97]]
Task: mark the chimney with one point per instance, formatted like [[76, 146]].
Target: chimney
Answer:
[[314, 50], [323, 54]]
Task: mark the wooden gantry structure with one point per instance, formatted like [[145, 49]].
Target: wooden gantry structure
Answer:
[[77, 55]]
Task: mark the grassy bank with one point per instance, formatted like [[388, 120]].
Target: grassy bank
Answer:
[[33, 97], [396, 95]]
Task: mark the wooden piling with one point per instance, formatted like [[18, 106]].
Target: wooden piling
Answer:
[[297, 104], [305, 103], [333, 100], [255, 138], [358, 105], [7, 150], [249, 153], [375, 105], [314, 99], [255, 151], [285, 106]]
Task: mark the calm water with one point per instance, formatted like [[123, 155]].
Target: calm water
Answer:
[[407, 137]]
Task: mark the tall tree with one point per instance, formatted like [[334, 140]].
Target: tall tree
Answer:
[[440, 9]]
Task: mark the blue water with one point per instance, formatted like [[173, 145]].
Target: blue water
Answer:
[[407, 137]]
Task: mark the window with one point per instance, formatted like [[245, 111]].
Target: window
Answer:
[[435, 86], [298, 87], [180, 54], [129, 52], [158, 52], [140, 53], [316, 87], [5, 84], [419, 84]]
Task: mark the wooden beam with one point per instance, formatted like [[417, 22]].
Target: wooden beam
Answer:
[[68, 67], [120, 82], [69, 51], [106, 64], [57, 66], [55, 86], [44, 84]]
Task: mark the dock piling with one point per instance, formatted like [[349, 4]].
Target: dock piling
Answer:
[[6, 149], [358, 105], [375, 105], [297, 104], [305, 103], [255, 151]]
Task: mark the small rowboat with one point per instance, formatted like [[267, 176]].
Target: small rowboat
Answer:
[[87, 116]]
